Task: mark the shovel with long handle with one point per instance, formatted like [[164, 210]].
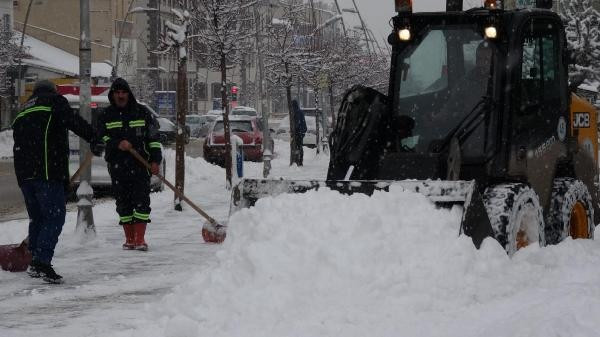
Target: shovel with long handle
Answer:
[[212, 231], [17, 257]]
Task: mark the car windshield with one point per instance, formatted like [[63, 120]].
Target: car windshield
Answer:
[[236, 126], [193, 120], [165, 124], [440, 78], [241, 112]]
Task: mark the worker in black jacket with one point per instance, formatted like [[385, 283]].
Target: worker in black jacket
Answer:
[[126, 125], [41, 159]]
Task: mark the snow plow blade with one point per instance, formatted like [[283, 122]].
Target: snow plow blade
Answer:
[[475, 222]]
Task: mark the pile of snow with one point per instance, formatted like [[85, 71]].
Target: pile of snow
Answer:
[[325, 264], [6, 144]]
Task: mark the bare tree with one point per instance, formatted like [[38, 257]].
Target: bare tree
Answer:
[[582, 26], [9, 51], [289, 57], [221, 35]]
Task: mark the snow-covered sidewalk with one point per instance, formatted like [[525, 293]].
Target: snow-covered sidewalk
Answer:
[[107, 288]]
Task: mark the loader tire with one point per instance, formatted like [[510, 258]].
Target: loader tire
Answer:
[[515, 215], [571, 211]]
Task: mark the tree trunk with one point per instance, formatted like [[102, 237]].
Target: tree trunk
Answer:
[[293, 147], [227, 129], [332, 105], [182, 94]]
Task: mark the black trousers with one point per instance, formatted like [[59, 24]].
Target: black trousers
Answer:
[[132, 195]]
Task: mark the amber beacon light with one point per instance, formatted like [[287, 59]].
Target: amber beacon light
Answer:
[[492, 4], [403, 6]]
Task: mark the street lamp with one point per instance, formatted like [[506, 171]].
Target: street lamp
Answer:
[[130, 10]]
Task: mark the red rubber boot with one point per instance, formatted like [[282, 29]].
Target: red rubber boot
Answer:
[[138, 237], [129, 237]]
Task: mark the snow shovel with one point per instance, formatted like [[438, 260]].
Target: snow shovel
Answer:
[[212, 231], [17, 257]]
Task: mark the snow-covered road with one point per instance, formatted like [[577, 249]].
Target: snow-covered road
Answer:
[[316, 264]]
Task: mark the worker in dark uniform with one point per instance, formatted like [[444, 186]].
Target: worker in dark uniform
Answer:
[[41, 158], [126, 125]]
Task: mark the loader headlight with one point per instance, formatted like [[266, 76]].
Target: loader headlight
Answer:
[[404, 34], [491, 32]]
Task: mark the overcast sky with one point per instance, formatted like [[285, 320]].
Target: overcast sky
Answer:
[[377, 13]]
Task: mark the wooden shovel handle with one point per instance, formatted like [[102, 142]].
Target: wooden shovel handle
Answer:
[[87, 161], [177, 192]]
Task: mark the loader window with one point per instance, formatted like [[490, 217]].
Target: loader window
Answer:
[[425, 71], [440, 79], [540, 67]]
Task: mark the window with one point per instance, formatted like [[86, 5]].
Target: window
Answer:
[[540, 66], [236, 126], [201, 93], [216, 90], [6, 22], [425, 70]]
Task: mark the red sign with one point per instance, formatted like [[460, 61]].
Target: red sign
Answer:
[[65, 89]]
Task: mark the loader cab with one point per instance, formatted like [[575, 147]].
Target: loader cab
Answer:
[[472, 95], [445, 84]]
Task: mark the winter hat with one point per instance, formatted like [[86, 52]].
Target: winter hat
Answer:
[[44, 86]]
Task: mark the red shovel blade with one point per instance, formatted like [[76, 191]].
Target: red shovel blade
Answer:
[[213, 233], [15, 257]]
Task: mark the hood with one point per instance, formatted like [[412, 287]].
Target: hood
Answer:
[[44, 87], [121, 84]]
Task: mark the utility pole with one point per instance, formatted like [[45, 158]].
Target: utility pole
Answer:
[[182, 98], [315, 46], [260, 103], [85, 216], [153, 32], [21, 54], [177, 37]]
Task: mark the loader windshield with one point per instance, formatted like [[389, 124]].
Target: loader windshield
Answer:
[[440, 78]]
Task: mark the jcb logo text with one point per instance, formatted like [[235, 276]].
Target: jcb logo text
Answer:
[[581, 120]]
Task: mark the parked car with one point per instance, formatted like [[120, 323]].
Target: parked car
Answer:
[[197, 122], [100, 179], [310, 138], [215, 112], [202, 132], [247, 128], [244, 111], [167, 129]]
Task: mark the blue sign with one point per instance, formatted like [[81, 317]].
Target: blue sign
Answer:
[[165, 102]]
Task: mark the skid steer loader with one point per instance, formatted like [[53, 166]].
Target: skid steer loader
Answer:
[[479, 114]]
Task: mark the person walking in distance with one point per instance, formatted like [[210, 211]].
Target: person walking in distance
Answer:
[[300, 131], [41, 159], [126, 125]]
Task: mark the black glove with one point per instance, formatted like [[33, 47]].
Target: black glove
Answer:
[[97, 148]]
